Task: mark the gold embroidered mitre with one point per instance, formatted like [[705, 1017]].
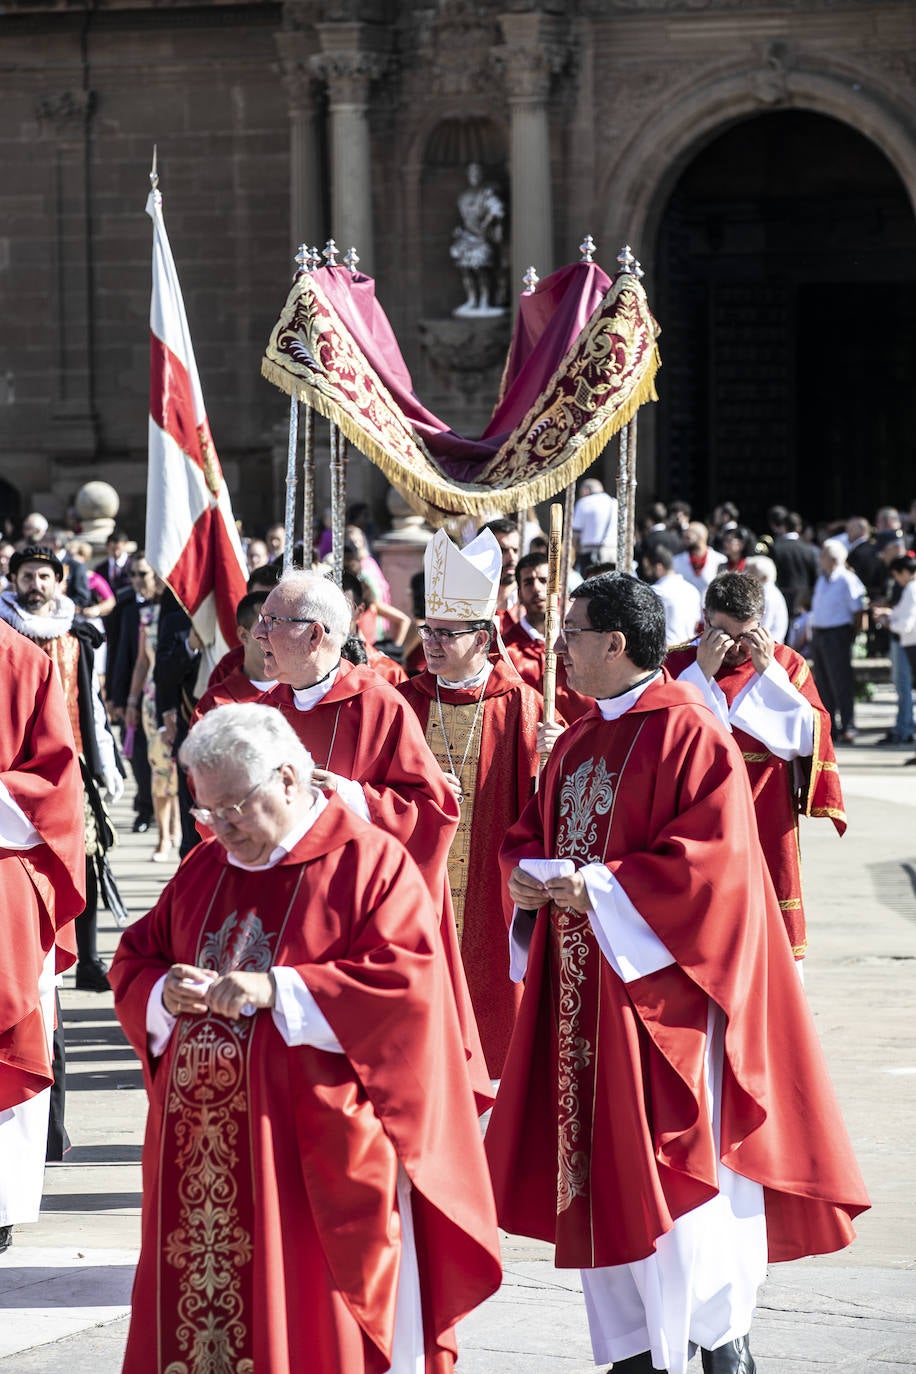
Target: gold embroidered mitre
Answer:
[[462, 584]]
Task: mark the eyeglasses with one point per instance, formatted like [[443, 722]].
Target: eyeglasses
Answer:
[[568, 630], [221, 814], [269, 621], [140, 572], [431, 636]]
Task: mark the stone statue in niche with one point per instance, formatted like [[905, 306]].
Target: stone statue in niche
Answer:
[[477, 247]]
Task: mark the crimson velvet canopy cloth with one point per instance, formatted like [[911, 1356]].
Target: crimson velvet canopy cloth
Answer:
[[582, 360]]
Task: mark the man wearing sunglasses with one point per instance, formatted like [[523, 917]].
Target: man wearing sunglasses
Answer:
[[764, 693], [664, 1116], [366, 743]]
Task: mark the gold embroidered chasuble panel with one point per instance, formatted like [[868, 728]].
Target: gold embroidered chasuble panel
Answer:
[[586, 802], [206, 1197], [463, 728]]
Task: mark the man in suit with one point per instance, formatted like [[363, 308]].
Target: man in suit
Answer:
[[123, 629], [796, 561], [114, 567]]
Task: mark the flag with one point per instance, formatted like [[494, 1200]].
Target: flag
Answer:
[[191, 537]]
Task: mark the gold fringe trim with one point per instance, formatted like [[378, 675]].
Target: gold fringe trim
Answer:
[[441, 498], [790, 904], [756, 758], [799, 951], [835, 813]]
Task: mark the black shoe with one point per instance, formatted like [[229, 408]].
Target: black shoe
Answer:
[[142, 824], [91, 978], [734, 1357], [635, 1364], [890, 739], [6, 1238]]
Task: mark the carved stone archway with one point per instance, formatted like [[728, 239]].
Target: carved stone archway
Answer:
[[638, 184]]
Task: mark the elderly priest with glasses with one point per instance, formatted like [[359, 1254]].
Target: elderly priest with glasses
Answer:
[[481, 723], [315, 1192], [367, 746], [665, 1117]]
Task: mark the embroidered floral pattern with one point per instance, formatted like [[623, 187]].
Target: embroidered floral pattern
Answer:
[[585, 794]]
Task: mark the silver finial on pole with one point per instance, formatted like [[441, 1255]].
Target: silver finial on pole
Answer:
[[154, 174], [626, 259], [302, 259], [587, 248], [637, 270], [530, 281], [331, 253], [351, 260]]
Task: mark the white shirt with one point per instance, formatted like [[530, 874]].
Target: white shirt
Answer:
[[683, 607], [775, 616], [710, 569], [595, 521]]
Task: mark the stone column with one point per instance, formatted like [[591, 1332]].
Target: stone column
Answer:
[[64, 122], [295, 45], [348, 68], [531, 54]]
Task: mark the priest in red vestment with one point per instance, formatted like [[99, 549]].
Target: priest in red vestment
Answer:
[[525, 642], [42, 891], [246, 681], [366, 744], [665, 1117], [764, 693], [481, 723], [314, 1188]]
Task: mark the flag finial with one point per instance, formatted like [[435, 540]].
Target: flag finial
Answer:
[[154, 175]]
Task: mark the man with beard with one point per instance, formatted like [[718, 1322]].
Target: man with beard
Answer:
[[35, 606], [763, 692], [665, 1117], [508, 537], [525, 642]]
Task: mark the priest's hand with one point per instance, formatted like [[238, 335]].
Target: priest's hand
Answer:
[[325, 780], [455, 785], [547, 736], [185, 988], [526, 892], [231, 993], [713, 646], [570, 893], [761, 646]]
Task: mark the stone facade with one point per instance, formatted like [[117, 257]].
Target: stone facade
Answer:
[[282, 122]]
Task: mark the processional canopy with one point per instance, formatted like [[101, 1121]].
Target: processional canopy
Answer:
[[582, 360]]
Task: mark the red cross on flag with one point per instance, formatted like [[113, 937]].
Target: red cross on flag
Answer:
[[191, 538]]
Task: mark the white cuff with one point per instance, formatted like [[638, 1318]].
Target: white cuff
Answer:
[[16, 830], [352, 793], [776, 713], [159, 1022], [629, 944], [520, 933], [712, 692], [297, 1015]]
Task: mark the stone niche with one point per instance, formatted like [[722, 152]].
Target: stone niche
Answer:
[[461, 356]]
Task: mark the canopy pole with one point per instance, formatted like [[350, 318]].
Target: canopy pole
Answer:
[[289, 521], [308, 488], [569, 500], [623, 472], [338, 500], [630, 546]]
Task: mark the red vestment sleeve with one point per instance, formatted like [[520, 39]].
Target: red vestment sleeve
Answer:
[[41, 889]]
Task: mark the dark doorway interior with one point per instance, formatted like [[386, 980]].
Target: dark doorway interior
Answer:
[[787, 295]]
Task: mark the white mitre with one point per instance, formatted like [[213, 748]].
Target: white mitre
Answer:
[[462, 584]]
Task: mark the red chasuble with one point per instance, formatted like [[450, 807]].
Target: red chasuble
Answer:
[[364, 730], [611, 1073], [508, 764], [234, 687], [231, 659], [383, 665], [528, 656], [270, 1228], [41, 889], [778, 797]]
